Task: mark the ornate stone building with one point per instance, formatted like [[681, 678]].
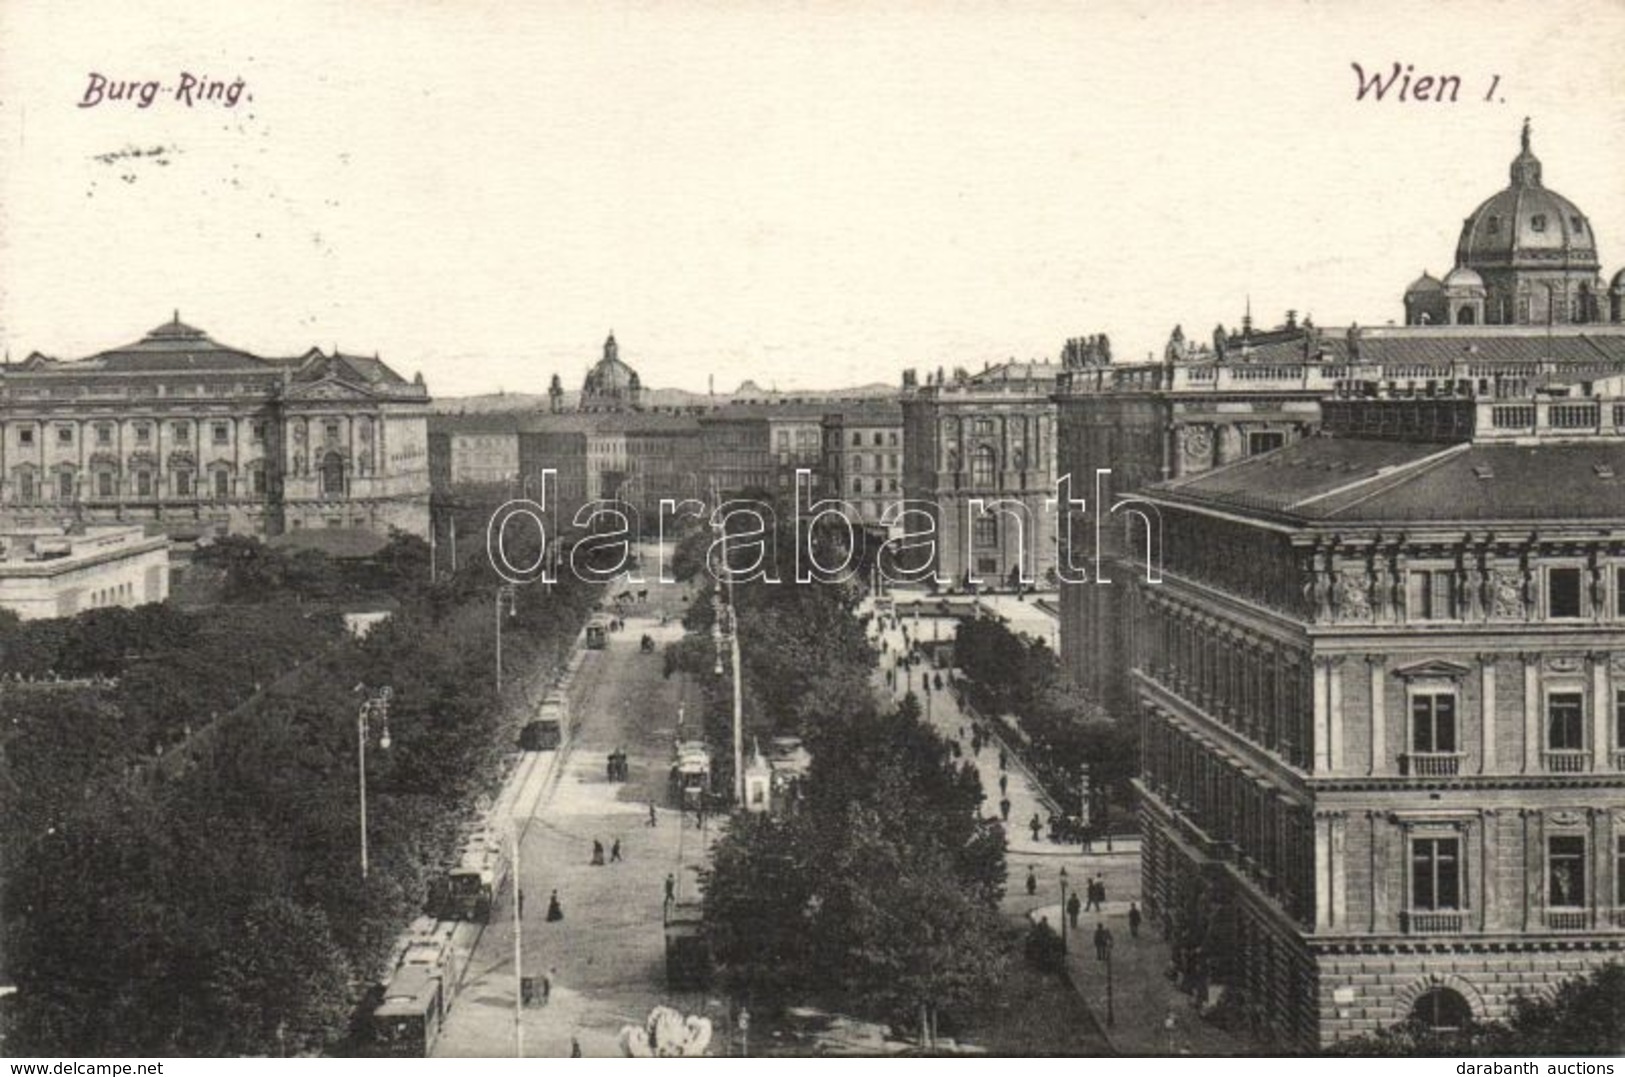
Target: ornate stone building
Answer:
[[979, 455], [189, 436], [1527, 256], [1381, 691]]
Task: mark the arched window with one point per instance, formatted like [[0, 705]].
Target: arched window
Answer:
[[332, 475], [1442, 1010], [982, 466]]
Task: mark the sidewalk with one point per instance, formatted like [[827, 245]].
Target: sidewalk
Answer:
[[1143, 997], [1149, 1015]]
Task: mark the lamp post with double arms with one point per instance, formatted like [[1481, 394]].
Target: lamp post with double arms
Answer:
[[374, 706]]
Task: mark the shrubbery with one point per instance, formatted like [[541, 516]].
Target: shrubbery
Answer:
[[211, 902]]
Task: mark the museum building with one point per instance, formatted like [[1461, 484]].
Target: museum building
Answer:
[[189, 437]]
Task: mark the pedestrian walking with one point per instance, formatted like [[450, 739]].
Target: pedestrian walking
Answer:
[[1032, 881], [555, 911], [575, 1047], [1004, 760], [597, 853], [547, 986], [1134, 919], [651, 813], [1092, 892], [1004, 808], [1004, 784], [671, 888], [615, 852], [1073, 908], [1035, 826], [1103, 942]]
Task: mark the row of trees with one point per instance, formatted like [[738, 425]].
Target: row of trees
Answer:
[[878, 894], [216, 906], [1007, 674]]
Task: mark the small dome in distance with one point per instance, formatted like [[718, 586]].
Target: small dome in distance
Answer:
[[1462, 277], [1427, 282]]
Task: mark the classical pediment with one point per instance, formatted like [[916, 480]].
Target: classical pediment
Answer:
[[1433, 667], [329, 389]]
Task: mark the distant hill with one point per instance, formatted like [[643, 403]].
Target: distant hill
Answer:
[[674, 399]]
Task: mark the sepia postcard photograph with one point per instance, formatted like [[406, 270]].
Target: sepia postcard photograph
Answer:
[[868, 529]]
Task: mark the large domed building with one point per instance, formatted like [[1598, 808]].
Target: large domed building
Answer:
[[1527, 256], [611, 385]]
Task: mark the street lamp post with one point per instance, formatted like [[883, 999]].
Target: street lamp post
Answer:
[[1111, 1012], [1063, 908], [504, 593], [518, 953], [374, 706]]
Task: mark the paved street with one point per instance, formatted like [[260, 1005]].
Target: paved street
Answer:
[[606, 958]]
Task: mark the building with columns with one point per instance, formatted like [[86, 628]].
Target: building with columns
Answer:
[[1206, 406], [979, 456], [1381, 691], [1526, 256], [187, 436]]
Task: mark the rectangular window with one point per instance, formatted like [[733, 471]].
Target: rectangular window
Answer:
[[1566, 871], [331, 431], [1262, 441], [987, 566], [143, 484], [221, 433], [1619, 598], [104, 433], [1433, 722], [256, 430], [857, 438], [25, 487], [143, 434], [987, 531], [256, 481], [1565, 721], [182, 432], [982, 428], [64, 435], [1619, 736], [1433, 594], [64, 486], [1619, 869], [1435, 874], [222, 483], [1564, 595], [104, 484], [183, 484], [25, 436]]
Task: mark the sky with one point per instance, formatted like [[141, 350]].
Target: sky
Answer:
[[805, 194]]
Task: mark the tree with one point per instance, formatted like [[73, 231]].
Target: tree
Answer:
[[283, 987]]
